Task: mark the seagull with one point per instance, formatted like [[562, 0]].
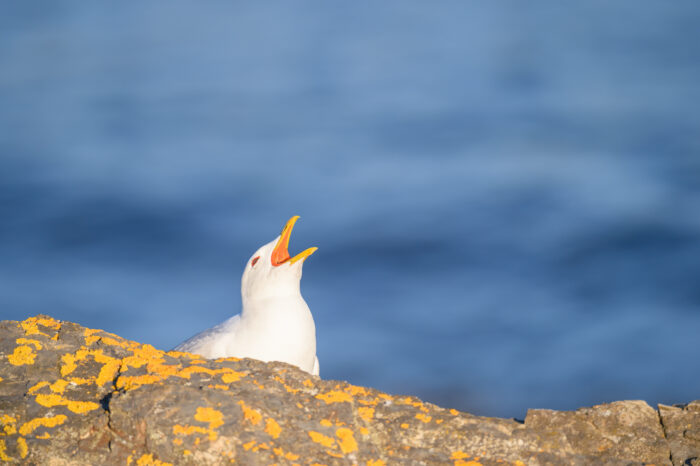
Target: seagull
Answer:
[[275, 323]]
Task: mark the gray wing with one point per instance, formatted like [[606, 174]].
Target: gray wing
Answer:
[[209, 343]]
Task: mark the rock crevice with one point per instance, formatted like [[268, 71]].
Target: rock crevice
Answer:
[[74, 395]]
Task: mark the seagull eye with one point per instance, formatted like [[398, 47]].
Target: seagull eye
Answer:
[[254, 261]]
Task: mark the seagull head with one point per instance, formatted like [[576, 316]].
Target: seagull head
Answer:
[[271, 272]]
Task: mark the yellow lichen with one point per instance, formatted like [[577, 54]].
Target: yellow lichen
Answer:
[[289, 455], [347, 440], [113, 342], [249, 445], [9, 424], [37, 386], [404, 426], [29, 341], [376, 463], [135, 381], [259, 385], [355, 390], [59, 386], [334, 396], [423, 418], [49, 400], [43, 436], [22, 355], [3, 452], [364, 430], [459, 456], [29, 427], [250, 414], [30, 325], [69, 365], [366, 413], [252, 446], [211, 416], [454, 412], [324, 440], [189, 430], [232, 376], [148, 460], [22, 447], [326, 423], [272, 428], [286, 387], [79, 407]]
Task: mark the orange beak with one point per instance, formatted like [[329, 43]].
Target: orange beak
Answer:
[[280, 254]]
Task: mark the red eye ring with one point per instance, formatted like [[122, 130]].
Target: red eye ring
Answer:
[[254, 261]]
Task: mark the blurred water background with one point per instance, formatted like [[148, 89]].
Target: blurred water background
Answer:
[[505, 195]]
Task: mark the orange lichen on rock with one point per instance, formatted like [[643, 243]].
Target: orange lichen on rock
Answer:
[[28, 341], [179, 429], [22, 355], [354, 390], [366, 413], [272, 428], [29, 427], [423, 418], [286, 387], [347, 441], [324, 440], [211, 416], [288, 455], [148, 460], [22, 448], [9, 424], [335, 396], [459, 456], [107, 372], [3, 452], [79, 407], [250, 414], [232, 376], [376, 463], [249, 445], [30, 325]]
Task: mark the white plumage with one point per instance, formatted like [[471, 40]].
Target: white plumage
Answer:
[[275, 323]]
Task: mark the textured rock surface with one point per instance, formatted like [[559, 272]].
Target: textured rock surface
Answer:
[[682, 427], [72, 395]]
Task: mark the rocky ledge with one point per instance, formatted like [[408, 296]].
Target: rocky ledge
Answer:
[[73, 395]]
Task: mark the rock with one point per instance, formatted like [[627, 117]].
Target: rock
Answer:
[[70, 395], [682, 426]]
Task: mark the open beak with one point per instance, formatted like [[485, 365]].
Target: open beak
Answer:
[[280, 254]]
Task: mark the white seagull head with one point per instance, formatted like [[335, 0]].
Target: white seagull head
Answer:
[[270, 272]]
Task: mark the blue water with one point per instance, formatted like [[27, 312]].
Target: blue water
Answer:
[[505, 195]]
